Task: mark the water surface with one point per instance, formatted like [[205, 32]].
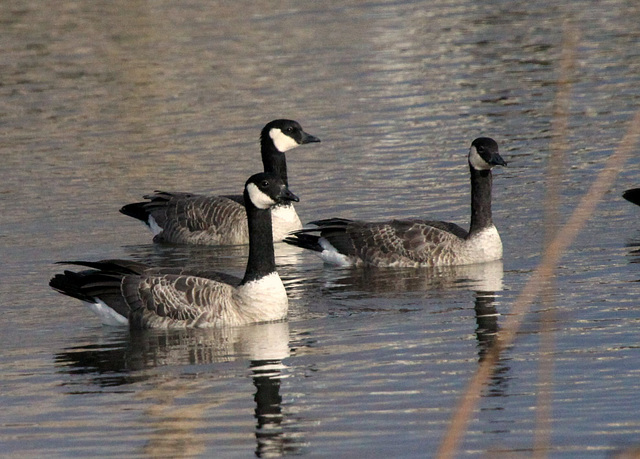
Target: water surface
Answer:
[[102, 102]]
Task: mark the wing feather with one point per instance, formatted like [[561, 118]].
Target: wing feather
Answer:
[[193, 218], [188, 218], [170, 300], [393, 242]]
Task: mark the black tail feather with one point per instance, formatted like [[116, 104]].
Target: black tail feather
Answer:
[[334, 230], [331, 222], [86, 285], [123, 267], [137, 210], [70, 284], [304, 241], [93, 285]]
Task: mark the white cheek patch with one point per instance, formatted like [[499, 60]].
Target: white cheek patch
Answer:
[[476, 160], [282, 141], [258, 198]]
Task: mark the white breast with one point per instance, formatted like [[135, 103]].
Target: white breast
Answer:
[[483, 246], [264, 299]]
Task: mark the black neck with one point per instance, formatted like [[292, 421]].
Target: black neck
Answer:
[[261, 254], [273, 160], [480, 200]]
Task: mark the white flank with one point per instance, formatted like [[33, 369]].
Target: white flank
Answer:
[[282, 141], [153, 226], [330, 255], [258, 198], [107, 315], [476, 160]]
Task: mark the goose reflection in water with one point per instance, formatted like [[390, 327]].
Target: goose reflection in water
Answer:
[[176, 426], [633, 246], [487, 328], [484, 279]]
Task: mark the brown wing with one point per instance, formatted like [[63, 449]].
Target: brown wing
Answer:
[[189, 218], [396, 241], [171, 300]]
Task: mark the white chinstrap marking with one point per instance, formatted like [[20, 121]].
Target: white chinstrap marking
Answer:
[[107, 315], [258, 198], [282, 141], [476, 160]]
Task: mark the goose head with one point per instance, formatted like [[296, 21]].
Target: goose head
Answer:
[[286, 134], [483, 154], [265, 190]]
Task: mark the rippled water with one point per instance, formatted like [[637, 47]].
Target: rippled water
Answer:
[[101, 102]]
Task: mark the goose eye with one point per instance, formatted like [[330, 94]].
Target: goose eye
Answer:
[[289, 129], [264, 184]]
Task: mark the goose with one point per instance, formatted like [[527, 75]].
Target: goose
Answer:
[[187, 218], [412, 243], [632, 195], [124, 292]]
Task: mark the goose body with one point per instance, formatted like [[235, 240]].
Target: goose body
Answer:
[[187, 218], [122, 292], [409, 243]]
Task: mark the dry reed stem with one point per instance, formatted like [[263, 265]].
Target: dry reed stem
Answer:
[[539, 279], [555, 173]]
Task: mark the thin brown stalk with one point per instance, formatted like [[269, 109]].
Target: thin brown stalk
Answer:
[[543, 273], [555, 172]]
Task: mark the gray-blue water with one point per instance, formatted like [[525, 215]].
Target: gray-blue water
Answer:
[[103, 101]]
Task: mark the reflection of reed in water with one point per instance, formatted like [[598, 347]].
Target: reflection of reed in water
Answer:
[[178, 404]]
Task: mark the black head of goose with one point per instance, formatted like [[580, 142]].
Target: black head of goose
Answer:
[[407, 243], [123, 292], [187, 218], [632, 195]]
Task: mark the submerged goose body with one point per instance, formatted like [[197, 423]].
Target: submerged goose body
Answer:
[[188, 218], [123, 292], [409, 243]]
